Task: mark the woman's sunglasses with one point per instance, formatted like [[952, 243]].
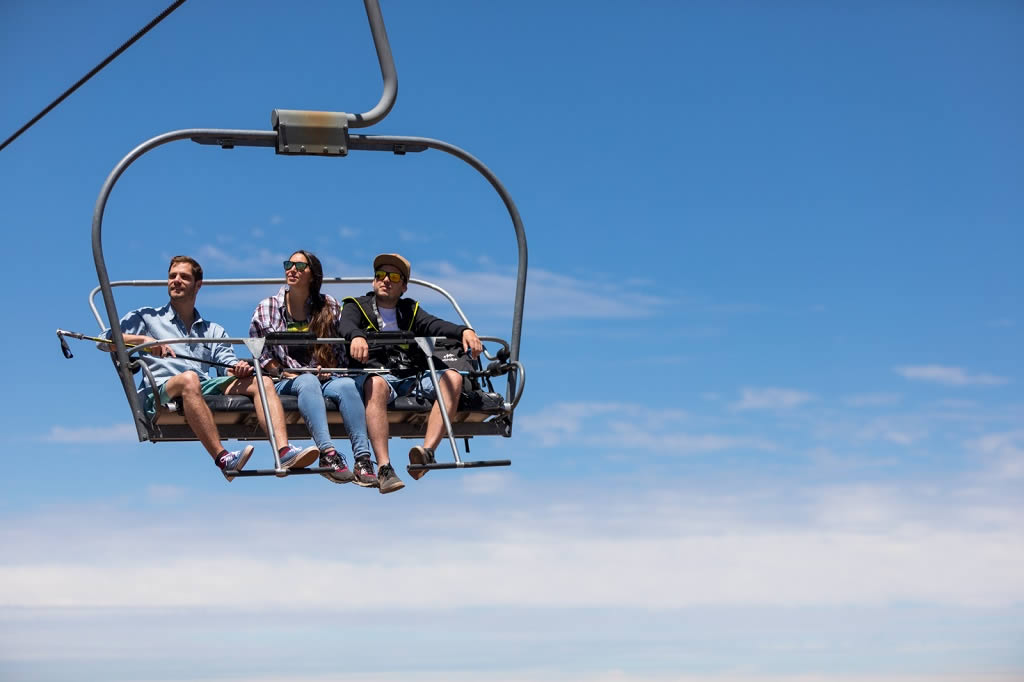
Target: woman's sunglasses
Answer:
[[395, 277], [289, 264]]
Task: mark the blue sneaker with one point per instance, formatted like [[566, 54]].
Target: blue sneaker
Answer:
[[231, 463], [294, 458]]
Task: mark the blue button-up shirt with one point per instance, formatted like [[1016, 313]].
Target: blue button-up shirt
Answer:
[[164, 323]]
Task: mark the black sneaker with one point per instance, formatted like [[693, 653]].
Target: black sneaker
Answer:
[[339, 471], [363, 474], [388, 480], [420, 455]]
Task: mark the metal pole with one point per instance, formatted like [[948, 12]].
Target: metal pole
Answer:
[[266, 414], [387, 70], [426, 344]]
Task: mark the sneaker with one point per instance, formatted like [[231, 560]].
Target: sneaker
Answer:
[[233, 462], [420, 455], [339, 471], [363, 474], [294, 458], [388, 480]]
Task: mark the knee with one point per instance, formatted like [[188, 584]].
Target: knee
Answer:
[[268, 384], [189, 383], [376, 389], [304, 382], [452, 379]]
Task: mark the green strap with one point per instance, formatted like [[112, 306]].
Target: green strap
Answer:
[[365, 316]]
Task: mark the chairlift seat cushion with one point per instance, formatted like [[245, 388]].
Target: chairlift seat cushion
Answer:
[[476, 406]]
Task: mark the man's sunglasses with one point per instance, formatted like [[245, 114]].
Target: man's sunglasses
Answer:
[[395, 277], [289, 264]]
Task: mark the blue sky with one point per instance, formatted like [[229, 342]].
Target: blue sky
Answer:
[[773, 427]]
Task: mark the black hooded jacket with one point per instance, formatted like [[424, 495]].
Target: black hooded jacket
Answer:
[[360, 315]]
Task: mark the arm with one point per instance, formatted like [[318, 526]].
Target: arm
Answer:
[[133, 330], [426, 324], [225, 353], [349, 329]]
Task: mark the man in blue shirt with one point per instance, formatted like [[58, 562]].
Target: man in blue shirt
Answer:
[[190, 380]]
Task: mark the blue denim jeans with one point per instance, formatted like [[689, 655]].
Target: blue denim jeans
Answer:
[[311, 393]]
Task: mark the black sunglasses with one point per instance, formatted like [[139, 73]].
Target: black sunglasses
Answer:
[[289, 264]]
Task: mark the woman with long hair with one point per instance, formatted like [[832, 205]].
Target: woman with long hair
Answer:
[[300, 306]]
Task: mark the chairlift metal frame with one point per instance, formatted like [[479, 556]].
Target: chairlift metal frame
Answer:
[[314, 133]]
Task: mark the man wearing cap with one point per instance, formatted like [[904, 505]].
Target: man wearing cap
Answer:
[[385, 310]]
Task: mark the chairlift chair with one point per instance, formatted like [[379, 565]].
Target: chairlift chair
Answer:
[[481, 412]]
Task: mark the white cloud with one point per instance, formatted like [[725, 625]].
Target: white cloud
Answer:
[[560, 674], [549, 295], [560, 422], [255, 265], [902, 431], [864, 546], [348, 232], [682, 443], [627, 427], [1005, 453], [115, 433], [771, 398], [949, 376]]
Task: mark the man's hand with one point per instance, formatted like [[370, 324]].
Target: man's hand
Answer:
[[241, 369], [359, 349], [471, 343], [162, 351]]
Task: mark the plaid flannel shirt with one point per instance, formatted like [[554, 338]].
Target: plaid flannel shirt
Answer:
[[270, 317]]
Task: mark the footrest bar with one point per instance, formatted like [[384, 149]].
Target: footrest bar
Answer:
[[459, 465], [283, 474]]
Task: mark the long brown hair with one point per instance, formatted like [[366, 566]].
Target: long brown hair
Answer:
[[321, 313]]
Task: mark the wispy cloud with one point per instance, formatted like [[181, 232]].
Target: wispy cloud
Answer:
[[771, 398], [115, 433], [1005, 452], [949, 376], [902, 431], [255, 264], [348, 232], [628, 427], [550, 294]]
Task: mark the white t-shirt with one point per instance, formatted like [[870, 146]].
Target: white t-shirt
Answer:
[[390, 318]]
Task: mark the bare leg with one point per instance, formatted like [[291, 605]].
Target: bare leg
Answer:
[[450, 388], [197, 412], [376, 391], [247, 386]]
